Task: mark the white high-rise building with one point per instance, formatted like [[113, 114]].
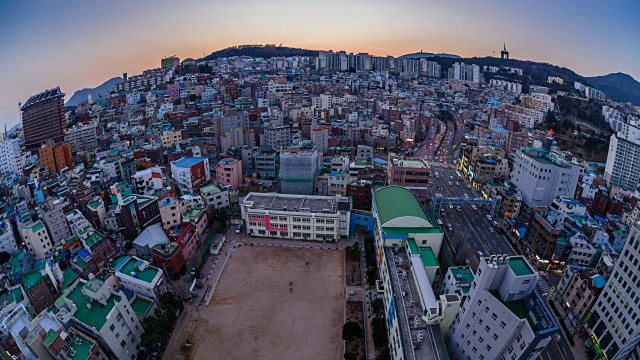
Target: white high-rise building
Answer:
[[10, 158], [622, 169], [504, 317], [614, 322], [543, 176]]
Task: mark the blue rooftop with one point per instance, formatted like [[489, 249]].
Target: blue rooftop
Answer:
[[522, 231], [379, 161], [599, 218], [599, 281], [187, 162]]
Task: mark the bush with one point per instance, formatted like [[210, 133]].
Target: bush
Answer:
[[350, 356], [351, 330]]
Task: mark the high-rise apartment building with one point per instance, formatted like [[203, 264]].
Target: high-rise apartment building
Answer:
[[504, 317], [298, 169], [622, 168], [10, 158], [170, 62], [543, 176], [43, 118], [614, 323]]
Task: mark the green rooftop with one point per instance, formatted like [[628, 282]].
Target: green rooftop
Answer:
[[428, 257], [131, 266], [191, 213], [51, 337], [82, 348], [465, 273], [141, 306], [542, 160], [518, 308], [520, 266], [394, 202], [31, 278], [35, 227], [412, 230], [96, 316], [70, 275], [94, 239], [426, 254], [94, 204]]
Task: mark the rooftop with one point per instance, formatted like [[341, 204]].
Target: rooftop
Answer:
[[81, 346], [520, 266], [45, 95], [426, 254], [394, 202], [465, 274], [141, 306], [130, 265], [51, 337], [272, 201], [96, 315], [518, 308], [187, 162], [31, 278]]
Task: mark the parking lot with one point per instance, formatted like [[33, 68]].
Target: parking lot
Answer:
[[471, 231]]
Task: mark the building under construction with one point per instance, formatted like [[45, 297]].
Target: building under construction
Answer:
[[298, 169]]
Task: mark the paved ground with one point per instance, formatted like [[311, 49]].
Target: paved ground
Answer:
[[273, 302]]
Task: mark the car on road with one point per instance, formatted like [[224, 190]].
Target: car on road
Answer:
[[458, 208], [238, 229], [495, 223], [468, 186], [489, 217], [449, 227], [491, 230], [450, 183], [457, 183], [474, 207]]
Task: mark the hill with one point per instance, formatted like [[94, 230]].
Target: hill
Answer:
[[263, 51], [426, 55], [81, 95], [618, 86]]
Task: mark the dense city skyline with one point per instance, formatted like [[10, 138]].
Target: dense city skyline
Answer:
[[98, 41]]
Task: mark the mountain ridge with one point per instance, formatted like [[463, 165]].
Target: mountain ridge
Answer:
[[102, 89]]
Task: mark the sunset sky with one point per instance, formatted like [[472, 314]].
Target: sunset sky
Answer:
[[79, 44]]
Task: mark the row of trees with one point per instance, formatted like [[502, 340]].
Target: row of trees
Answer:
[[158, 327]]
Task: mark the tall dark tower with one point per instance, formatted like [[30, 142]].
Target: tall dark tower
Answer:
[[504, 54], [43, 118]]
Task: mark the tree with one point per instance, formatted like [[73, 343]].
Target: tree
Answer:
[[351, 330], [177, 102], [350, 356], [193, 97], [222, 215], [4, 257], [353, 252], [377, 306]]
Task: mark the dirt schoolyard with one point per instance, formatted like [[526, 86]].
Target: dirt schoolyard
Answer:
[[272, 303]]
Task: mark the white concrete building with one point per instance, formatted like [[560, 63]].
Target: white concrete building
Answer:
[[622, 169], [504, 316], [592, 93], [527, 117], [145, 182], [299, 217], [567, 206], [458, 281], [277, 136], [215, 196], [55, 221], [190, 173], [97, 308], [10, 158], [36, 239], [7, 238], [615, 318], [140, 277], [82, 137], [582, 252], [320, 138], [542, 176]]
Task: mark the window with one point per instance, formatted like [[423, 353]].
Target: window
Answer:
[[481, 339], [494, 316], [123, 343], [112, 327]]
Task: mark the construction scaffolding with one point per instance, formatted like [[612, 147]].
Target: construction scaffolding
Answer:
[[298, 170]]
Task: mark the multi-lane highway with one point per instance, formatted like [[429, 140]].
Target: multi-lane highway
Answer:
[[469, 229]]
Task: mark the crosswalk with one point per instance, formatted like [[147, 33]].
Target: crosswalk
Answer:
[[543, 286]]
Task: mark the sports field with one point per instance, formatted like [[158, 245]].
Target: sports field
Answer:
[[273, 303]]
